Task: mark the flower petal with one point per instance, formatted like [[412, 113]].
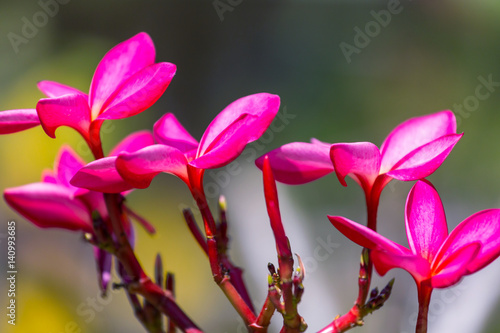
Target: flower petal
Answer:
[[55, 89], [139, 92], [424, 160], [12, 121], [483, 227], [101, 176], [169, 131], [139, 168], [414, 133], [360, 160], [456, 266], [118, 65], [66, 165], [299, 162], [67, 110], [133, 142], [261, 108], [366, 237], [418, 267], [49, 205], [425, 219]]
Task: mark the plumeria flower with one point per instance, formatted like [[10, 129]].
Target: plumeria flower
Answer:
[[12, 121], [435, 258], [126, 82], [178, 153], [55, 203], [413, 150]]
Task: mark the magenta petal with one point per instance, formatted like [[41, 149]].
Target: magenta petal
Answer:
[[424, 160], [139, 168], [68, 110], [49, 206], [455, 267], [360, 160], [101, 176], [139, 92], [55, 89], [169, 131], [299, 162], [66, 165], [366, 237], [12, 121], [261, 110], [414, 133], [117, 66], [384, 261], [426, 226], [483, 227], [133, 142]]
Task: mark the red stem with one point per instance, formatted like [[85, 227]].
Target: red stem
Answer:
[[424, 298]]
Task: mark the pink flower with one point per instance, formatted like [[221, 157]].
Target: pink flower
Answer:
[[126, 82], [55, 203], [413, 150], [435, 259], [178, 153], [13, 121]]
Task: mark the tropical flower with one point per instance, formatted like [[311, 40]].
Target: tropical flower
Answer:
[[126, 82], [413, 150], [178, 153], [55, 203], [13, 121], [435, 259]]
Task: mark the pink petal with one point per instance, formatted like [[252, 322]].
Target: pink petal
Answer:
[[55, 89], [133, 142], [360, 160], [13, 121], [299, 162], [418, 267], [260, 110], [426, 226], [68, 110], [366, 237], [101, 176], [483, 227], [424, 160], [414, 133], [139, 168], [117, 66], [139, 92], [169, 131], [66, 165], [49, 206], [455, 267]]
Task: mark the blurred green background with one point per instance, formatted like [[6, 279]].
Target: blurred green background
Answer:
[[423, 57]]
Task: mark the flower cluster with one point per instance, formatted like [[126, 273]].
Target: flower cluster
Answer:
[[90, 197]]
